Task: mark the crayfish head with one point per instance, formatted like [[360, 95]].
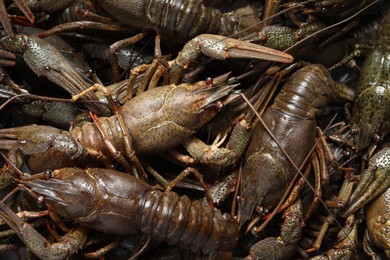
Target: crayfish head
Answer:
[[192, 106], [70, 193], [15, 44]]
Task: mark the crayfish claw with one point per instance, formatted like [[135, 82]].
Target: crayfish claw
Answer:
[[221, 47], [37, 243], [374, 182], [35, 139], [284, 246]]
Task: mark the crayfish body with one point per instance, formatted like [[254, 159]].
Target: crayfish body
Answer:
[[122, 204]]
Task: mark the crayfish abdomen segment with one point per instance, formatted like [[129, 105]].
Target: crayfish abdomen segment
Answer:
[[89, 136], [182, 19], [178, 220]]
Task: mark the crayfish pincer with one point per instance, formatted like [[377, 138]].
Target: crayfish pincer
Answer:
[[292, 120], [371, 114], [122, 204], [45, 60]]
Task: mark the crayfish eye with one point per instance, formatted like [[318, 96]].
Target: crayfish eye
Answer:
[[48, 174], [354, 131], [346, 153], [41, 199], [376, 137], [261, 210], [209, 82], [219, 105]]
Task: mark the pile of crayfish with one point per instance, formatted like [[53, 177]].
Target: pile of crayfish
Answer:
[[195, 129]]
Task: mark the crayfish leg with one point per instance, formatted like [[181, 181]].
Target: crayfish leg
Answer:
[[37, 243]]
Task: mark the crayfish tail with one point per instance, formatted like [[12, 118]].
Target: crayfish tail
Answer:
[[167, 216]]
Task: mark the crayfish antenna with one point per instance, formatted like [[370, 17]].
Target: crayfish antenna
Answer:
[[22, 177]]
